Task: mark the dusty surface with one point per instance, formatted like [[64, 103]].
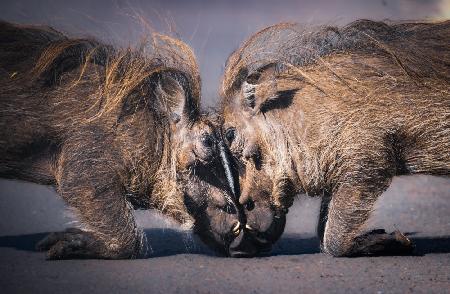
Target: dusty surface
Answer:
[[181, 264]]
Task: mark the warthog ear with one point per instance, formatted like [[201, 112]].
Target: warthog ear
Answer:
[[261, 91], [177, 94]]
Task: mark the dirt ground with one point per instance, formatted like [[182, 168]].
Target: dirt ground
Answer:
[[181, 264]]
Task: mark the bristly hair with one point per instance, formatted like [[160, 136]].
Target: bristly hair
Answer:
[[365, 61], [289, 44], [160, 73], [125, 70]]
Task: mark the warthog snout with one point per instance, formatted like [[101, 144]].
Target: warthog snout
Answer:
[[256, 237], [241, 233]]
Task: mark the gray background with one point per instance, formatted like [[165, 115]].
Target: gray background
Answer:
[[180, 263]]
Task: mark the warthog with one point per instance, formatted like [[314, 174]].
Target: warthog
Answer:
[[113, 129], [339, 112]]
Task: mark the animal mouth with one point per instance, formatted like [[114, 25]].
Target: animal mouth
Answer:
[[249, 244]]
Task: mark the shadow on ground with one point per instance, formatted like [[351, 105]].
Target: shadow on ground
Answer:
[[163, 242], [168, 242]]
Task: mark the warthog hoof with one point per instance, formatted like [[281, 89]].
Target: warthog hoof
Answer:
[[77, 244], [378, 242], [70, 244]]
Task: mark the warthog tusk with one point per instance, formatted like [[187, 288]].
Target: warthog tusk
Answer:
[[237, 228], [249, 228]]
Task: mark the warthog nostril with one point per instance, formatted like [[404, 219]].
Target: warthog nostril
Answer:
[[236, 228], [249, 205]]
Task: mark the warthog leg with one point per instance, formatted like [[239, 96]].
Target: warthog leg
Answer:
[[89, 179], [350, 206]]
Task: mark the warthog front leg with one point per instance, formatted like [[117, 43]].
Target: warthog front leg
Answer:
[[88, 178], [348, 210]]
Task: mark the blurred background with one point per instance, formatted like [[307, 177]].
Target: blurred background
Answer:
[[213, 28]]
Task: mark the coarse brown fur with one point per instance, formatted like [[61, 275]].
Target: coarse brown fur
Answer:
[[338, 112], [111, 129]]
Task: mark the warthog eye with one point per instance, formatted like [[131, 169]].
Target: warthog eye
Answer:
[[207, 140], [249, 205], [230, 134]]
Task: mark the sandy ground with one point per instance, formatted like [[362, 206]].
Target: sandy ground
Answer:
[[181, 264]]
